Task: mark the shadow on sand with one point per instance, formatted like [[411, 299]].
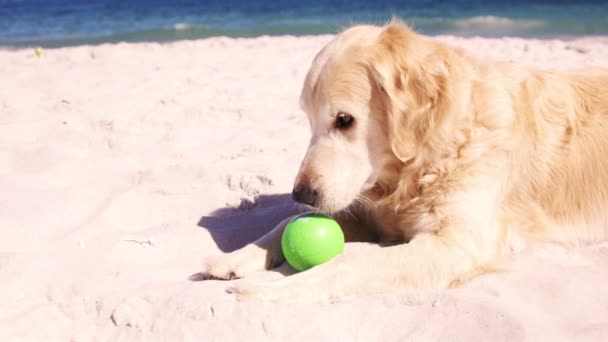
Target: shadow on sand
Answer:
[[232, 228]]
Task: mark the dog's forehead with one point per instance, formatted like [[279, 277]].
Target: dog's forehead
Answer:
[[321, 116], [337, 95], [338, 80]]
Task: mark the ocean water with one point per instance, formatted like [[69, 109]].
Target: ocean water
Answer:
[[73, 22]]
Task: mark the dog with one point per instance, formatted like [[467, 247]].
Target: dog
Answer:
[[437, 165]]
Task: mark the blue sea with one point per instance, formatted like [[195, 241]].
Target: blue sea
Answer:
[[72, 22]]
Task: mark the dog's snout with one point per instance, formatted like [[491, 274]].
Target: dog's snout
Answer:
[[305, 194]]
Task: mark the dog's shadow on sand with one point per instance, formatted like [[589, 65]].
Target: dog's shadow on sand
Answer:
[[234, 227]]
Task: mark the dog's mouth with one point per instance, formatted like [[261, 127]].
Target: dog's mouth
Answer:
[[341, 203], [331, 200], [333, 207], [319, 204]]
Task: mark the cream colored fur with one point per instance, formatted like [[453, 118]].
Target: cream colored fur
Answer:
[[450, 161]]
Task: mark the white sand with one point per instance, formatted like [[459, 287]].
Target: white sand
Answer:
[[114, 158]]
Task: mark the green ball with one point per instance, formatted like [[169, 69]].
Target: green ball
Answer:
[[310, 240]]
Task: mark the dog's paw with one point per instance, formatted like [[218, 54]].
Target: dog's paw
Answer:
[[237, 264]]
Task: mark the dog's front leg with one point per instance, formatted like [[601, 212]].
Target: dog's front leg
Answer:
[[427, 262], [266, 252], [465, 240]]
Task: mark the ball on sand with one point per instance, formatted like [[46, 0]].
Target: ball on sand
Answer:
[[310, 240]]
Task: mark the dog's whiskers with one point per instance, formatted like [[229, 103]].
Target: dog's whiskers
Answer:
[[365, 201], [349, 212]]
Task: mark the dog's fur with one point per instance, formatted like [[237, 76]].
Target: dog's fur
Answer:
[[450, 162]]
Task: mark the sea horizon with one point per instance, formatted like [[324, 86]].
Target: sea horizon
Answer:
[[54, 23]]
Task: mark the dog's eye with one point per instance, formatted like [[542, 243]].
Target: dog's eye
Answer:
[[344, 120]]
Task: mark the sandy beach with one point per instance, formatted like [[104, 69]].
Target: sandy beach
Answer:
[[122, 166]]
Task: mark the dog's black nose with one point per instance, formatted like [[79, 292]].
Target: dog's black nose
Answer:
[[304, 194]]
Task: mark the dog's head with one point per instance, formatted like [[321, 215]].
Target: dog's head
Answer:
[[372, 95]]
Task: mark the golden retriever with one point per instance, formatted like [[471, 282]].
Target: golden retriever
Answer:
[[441, 161]]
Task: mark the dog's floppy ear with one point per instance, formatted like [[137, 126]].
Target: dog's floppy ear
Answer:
[[412, 73]]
